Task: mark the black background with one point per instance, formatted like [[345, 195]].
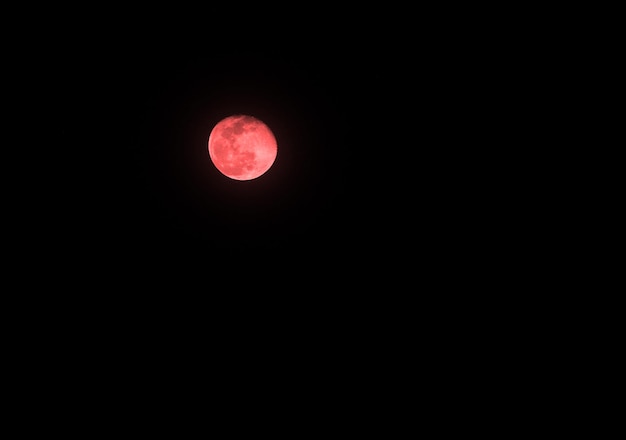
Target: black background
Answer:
[[379, 243], [390, 267]]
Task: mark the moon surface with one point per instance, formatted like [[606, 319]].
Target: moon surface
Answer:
[[242, 147]]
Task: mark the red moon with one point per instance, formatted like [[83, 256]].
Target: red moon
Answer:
[[242, 147]]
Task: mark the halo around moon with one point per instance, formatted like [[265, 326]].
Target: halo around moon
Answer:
[[242, 147]]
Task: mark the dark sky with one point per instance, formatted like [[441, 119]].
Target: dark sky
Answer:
[[370, 249]]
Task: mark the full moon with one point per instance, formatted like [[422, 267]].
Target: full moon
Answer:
[[242, 147]]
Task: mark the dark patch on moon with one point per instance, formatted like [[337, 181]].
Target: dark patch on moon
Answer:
[[238, 127], [228, 133]]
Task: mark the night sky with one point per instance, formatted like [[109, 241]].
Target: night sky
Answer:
[[373, 260]]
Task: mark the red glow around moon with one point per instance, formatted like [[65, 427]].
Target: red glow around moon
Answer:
[[242, 147]]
